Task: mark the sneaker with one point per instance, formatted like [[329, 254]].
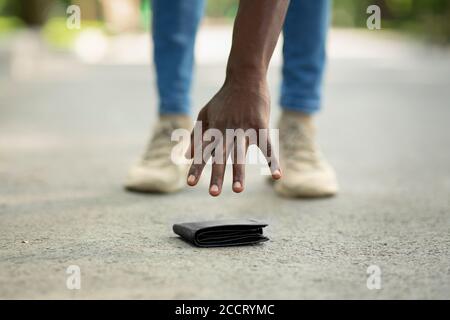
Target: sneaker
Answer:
[[156, 172], [305, 171]]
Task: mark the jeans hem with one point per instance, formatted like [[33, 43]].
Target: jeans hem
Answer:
[[182, 108], [305, 106]]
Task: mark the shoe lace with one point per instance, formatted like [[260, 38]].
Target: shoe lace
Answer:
[[160, 146], [298, 143]]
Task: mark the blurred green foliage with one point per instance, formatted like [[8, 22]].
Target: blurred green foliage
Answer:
[[428, 18], [8, 24], [221, 8], [56, 33]]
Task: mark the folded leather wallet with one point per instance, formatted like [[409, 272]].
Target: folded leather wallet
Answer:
[[222, 233]]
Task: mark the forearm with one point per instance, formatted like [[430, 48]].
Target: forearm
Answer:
[[256, 30], [243, 102]]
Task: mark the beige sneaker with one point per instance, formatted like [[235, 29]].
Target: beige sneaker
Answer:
[[305, 172], [156, 172]]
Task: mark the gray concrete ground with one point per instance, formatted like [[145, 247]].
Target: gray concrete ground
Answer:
[[68, 136]]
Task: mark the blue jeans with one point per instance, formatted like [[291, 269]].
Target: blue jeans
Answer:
[[175, 24]]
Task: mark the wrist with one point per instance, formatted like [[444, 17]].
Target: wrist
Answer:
[[248, 87], [246, 76]]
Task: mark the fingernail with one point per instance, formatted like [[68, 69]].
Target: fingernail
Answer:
[[214, 188], [191, 179], [237, 185]]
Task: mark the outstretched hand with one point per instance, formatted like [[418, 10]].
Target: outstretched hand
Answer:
[[242, 105], [235, 118]]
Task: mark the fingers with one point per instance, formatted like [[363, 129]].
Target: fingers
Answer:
[[201, 149], [272, 161], [221, 154], [239, 153], [191, 149], [195, 141], [200, 160], [195, 172]]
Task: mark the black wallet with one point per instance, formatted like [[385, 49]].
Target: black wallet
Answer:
[[222, 233]]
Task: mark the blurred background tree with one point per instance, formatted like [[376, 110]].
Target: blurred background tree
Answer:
[[429, 19]]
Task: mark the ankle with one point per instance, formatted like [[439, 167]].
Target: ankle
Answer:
[[298, 115], [174, 116], [180, 120]]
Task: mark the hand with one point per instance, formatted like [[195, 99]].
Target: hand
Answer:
[[243, 103], [233, 107]]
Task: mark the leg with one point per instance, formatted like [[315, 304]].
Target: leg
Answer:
[[306, 172], [175, 24], [305, 31]]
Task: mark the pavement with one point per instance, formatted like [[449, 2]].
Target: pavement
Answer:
[[69, 131]]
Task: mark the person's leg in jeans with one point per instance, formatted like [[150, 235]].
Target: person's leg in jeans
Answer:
[[306, 173], [174, 28]]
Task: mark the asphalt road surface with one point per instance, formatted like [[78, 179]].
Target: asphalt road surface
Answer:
[[69, 133]]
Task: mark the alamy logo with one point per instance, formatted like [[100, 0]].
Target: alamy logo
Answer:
[[374, 20], [374, 278], [73, 281], [219, 146], [74, 18]]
